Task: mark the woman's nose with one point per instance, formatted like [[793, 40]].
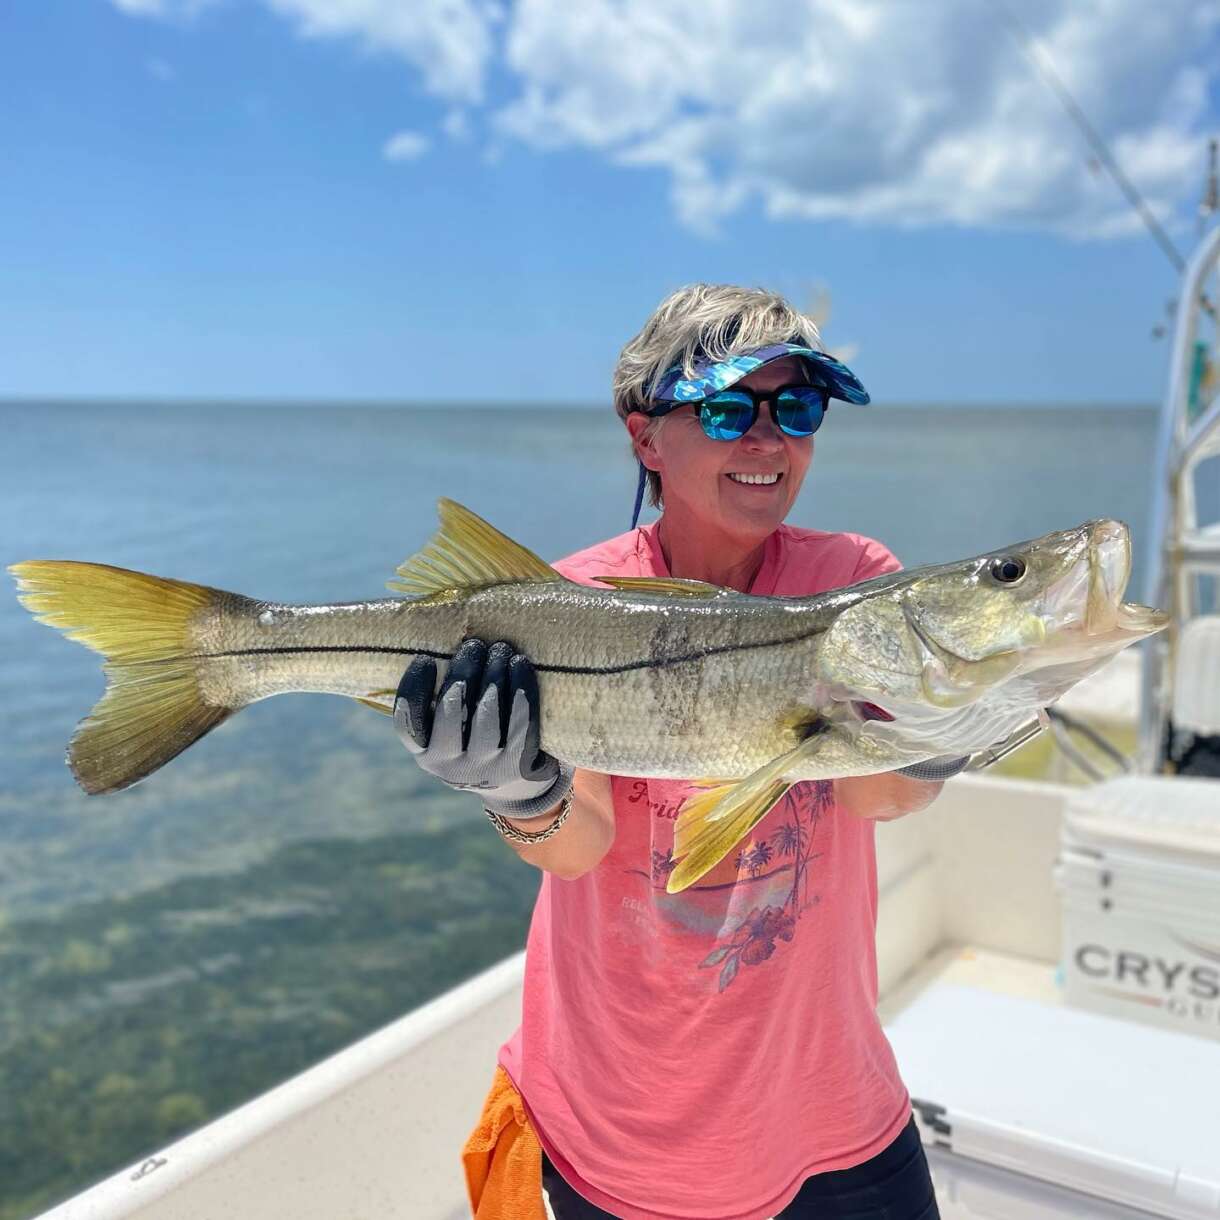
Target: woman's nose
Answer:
[[764, 435]]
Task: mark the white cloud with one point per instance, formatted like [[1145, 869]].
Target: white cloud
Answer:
[[869, 109], [404, 146], [448, 41], [883, 111], [171, 9]]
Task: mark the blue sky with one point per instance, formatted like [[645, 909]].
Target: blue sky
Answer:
[[201, 199]]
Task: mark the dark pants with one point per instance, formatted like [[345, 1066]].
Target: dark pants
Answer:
[[893, 1185]]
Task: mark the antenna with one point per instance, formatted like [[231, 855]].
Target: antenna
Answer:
[[1210, 203]]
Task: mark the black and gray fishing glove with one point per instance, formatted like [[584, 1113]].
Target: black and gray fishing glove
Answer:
[[935, 770], [481, 732]]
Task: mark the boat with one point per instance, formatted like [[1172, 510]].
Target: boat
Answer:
[[1048, 951]]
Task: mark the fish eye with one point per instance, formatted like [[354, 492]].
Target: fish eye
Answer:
[[1007, 569]]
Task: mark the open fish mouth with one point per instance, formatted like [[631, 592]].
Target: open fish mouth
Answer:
[[1109, 567], [1083, 611], [1109, 561]]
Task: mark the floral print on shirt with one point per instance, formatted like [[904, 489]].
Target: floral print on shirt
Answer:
[[761, 910]]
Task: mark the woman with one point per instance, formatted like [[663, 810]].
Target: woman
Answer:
[[711, 1054]]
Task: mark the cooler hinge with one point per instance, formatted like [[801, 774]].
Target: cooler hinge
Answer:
[[934, 1118]]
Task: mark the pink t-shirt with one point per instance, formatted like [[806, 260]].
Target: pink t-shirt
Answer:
[[696, 1056]]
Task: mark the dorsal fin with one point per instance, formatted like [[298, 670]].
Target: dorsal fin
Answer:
[[467, 553], [663, 586]]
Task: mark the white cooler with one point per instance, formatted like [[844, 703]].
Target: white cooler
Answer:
[[1033, 1109], [1139, 876]]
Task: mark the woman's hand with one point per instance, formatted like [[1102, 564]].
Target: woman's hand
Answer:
[[481, 732], [936, 770], [885, 796]]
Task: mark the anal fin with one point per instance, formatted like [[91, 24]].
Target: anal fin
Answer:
[[714, 822], [711, 824]]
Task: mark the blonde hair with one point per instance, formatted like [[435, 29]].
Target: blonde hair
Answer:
[[701, 321]]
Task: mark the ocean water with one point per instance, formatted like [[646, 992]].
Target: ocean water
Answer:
[[320, 503]]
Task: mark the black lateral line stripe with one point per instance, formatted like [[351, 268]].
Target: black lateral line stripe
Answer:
[[685, 658], [627, 667]]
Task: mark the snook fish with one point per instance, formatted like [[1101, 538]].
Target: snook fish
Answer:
[[657, 678]]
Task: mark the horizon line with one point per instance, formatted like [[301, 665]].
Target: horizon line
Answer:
[[508, 404]]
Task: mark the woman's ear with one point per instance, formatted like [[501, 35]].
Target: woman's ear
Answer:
[[643, 436]]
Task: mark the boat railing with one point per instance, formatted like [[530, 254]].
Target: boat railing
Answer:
[[1181, 549]]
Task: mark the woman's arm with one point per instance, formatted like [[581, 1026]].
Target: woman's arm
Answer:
[[886, 796], [581, 842]]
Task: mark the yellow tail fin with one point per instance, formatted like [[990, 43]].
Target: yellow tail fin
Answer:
[[153, 708]]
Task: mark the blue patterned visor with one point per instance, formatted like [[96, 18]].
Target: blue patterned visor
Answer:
[[710, 376]]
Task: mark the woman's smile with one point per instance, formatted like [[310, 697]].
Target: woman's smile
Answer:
[[756, 480]]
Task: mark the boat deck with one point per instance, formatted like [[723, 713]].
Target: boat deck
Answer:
[[975, 966]]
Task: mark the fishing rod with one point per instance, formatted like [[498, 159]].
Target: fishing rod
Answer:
[[1041, 62]]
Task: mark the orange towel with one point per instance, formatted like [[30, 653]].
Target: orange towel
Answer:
[[503, 1158]]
